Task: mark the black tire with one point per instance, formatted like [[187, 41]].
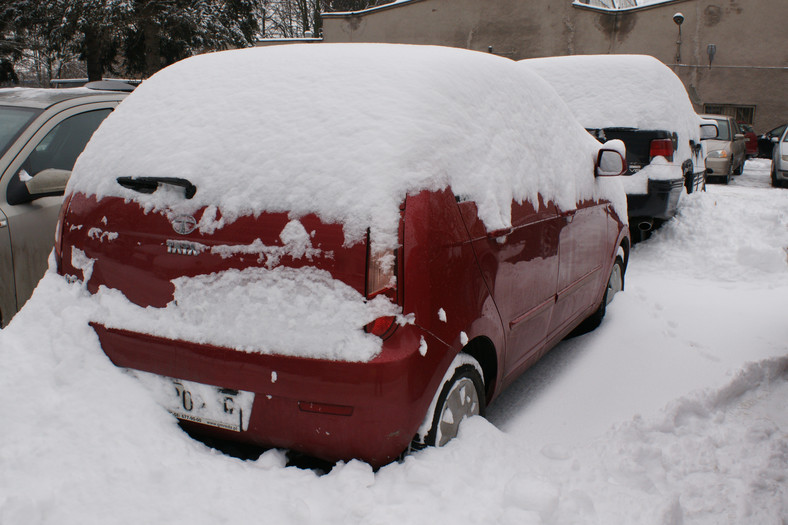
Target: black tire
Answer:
[[615, 283], [444, 428], [739, 169], [727, 179]]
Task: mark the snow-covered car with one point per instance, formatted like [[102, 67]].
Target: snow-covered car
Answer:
[[726, 153], [346, 257], [42, 131], [639, 100], [780, 161]]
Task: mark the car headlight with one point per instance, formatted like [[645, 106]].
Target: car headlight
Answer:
[[718, 154]]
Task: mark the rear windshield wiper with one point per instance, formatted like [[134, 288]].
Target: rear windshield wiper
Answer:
[[151, 184]]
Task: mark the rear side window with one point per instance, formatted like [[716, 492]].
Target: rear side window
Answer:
[[13, 121], [61, 147]]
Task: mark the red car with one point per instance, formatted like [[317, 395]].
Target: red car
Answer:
[[350, 256], [750, 140]]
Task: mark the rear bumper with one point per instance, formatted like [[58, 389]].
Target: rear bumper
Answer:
[[661, 201], [387, 396]]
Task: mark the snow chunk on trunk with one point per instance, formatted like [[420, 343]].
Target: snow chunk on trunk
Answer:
[[259, 310]]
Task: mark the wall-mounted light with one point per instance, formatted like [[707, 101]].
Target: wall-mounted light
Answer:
[[678, 18]]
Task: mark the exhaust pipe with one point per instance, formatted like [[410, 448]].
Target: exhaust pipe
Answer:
[[645, 226]]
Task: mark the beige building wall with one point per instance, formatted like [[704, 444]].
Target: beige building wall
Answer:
[[749, 69]]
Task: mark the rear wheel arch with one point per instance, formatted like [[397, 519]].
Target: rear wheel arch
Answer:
[[483, 350]]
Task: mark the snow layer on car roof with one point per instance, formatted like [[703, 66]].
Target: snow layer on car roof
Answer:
[[345, 131], [635, 91]]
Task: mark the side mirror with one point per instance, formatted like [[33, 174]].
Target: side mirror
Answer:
[[775, 139], [50, 181], [610, 163], [708, 131]]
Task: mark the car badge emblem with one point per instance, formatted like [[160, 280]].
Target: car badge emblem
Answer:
[[184, 224]]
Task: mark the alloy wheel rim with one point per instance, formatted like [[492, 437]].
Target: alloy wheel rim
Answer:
[[461, 402]]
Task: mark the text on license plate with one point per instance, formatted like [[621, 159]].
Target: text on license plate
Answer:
[[200, 403]]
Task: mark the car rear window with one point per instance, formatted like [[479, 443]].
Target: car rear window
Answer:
[[13, 120]]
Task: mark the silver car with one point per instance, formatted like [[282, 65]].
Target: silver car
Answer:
[[42, 132], [780, 161], [727, 152]]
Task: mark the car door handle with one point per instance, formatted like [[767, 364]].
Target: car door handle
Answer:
[[502, 232]]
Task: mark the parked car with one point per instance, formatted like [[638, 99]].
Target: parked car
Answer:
[[346, 257], [750, 140], [780, 161], [42, 131], [725, 154], [767, 141], [640, 101]]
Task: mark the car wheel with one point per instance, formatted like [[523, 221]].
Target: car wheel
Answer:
[[615, 284], [460, 396], [739, 169], [726, 179]]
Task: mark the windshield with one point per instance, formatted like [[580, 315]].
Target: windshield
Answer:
[[13, 121], [724, 130]]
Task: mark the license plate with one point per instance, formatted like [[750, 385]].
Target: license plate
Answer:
[[200, 403]]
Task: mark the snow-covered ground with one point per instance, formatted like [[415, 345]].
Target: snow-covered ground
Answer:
[[672, 412]]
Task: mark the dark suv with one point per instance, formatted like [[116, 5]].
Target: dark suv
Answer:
[[641, 102]]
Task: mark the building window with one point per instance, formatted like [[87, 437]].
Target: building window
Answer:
[[744, 114]]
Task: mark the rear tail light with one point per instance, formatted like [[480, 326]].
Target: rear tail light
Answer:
[[661, 148], [59, 231], [381, 280]]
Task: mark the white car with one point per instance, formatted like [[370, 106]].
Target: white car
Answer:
[[780, 161]]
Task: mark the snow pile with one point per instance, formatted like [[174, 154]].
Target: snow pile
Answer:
[[711, 223], [345, 131], [273, 307]]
